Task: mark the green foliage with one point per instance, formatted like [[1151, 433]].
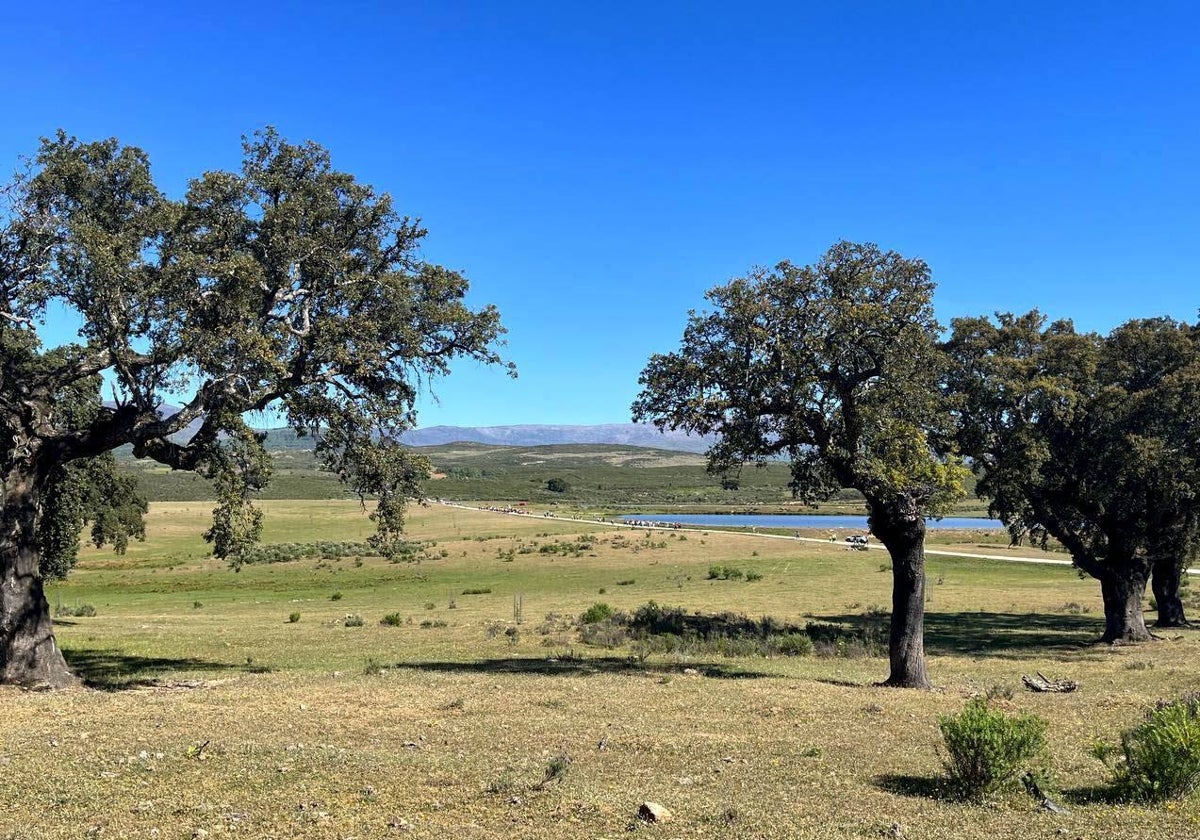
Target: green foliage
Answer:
[[293, 618], [596, 613], [353, 620], [556, 769], [792, 644], [1088, 439], [669, 630], [284, 285], [1159, 758], [836, 367], [327, 550], [74, 611], [87, 491], [717, 572], [833, 365], [392, 620], [987, 748], [557, 485]]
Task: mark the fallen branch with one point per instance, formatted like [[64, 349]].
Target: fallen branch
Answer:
[[1042, 683]]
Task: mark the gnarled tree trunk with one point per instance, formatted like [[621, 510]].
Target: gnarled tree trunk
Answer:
[[1123, 591], [1166, 575], [905, 542], [28, 653]]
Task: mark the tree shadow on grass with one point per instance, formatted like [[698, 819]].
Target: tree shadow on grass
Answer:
[[579, 666], [920, 787], [110, 670], [1095, 795], [1003, 635]]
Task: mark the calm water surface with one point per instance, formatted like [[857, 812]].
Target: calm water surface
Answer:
[[765, 520]]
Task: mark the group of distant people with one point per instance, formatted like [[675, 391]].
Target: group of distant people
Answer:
[[650, 523]]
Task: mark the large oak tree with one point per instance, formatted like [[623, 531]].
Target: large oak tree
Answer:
[[836, 367], [287, 286]]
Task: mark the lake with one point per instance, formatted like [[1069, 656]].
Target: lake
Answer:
[[765, 520]]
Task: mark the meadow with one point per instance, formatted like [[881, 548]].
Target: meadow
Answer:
[[469, 703]]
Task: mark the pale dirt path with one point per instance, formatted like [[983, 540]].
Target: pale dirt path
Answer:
[[937, 552]]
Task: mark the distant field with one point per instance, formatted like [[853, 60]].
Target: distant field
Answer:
[[216, 713], [605, 477]]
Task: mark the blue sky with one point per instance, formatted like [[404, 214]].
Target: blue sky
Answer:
[[593, 168]]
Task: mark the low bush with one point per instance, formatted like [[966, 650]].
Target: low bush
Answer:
[[293, 617], [792, 644], [986, 747], [596, 613], [353, 620], [74, 611], [1159, 758], [392, 620]]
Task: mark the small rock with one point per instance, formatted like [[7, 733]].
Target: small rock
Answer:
[[690, 671], [199, 834], [652, 812]]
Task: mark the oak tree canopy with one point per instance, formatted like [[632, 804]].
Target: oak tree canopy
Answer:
[[287, 286]]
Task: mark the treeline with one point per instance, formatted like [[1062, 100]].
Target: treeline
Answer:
[[842, 369]]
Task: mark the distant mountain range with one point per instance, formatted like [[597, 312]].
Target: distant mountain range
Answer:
[[627, 434]]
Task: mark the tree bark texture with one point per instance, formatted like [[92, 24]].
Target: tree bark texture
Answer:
[[29, 654], [1166, 576], [905, 543], [1123, 592]]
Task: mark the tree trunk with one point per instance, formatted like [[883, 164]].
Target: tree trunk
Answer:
[[905, 542], [1167, 573], [1123, 592], [28, 652]]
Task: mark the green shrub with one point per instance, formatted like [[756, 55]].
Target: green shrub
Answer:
[[478, 590], [753, 576], [336, 596], [77, 611], [793, 644], [1160, 757], [353, 621], [293, 617], [596, 613], [392, 620], [986, 748]]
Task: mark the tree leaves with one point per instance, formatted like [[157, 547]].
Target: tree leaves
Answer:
[[286, 286]]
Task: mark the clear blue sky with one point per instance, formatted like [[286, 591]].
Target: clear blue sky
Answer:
[[594, 167]]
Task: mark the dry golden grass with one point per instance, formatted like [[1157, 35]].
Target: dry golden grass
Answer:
[[315, 729]]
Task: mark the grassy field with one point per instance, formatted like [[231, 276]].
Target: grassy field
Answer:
[[605, 477], [211, 713]]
